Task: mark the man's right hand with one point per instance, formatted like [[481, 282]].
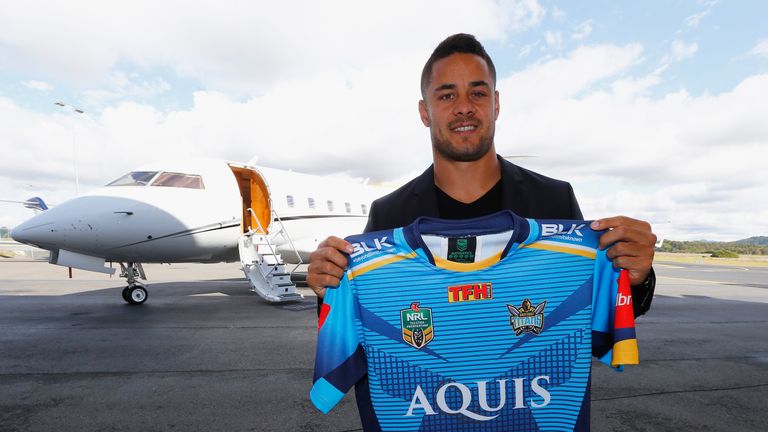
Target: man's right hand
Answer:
[[327, 264]]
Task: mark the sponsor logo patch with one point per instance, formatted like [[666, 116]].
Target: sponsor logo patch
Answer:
[[416, 323], [470, 292], [461, 250], [527, 318], [448, 394]]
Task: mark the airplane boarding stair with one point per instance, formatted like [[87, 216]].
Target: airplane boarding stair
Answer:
[[264, 267]]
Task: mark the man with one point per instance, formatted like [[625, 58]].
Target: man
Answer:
[[460, 105]]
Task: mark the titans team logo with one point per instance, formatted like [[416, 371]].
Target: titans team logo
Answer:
[[527, 318], [417, 326]]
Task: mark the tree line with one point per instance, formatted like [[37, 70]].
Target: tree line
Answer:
[[720, 249]]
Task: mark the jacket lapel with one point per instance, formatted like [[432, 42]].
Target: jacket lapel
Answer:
[[513, 194], [424, 198]]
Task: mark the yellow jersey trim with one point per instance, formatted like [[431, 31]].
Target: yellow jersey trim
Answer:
[[625, 352], [585, 252], [355, 272]]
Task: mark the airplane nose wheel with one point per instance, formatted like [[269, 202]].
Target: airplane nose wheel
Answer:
[[135, 294]]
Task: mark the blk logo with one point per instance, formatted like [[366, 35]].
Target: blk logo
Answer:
[[561, 229], [362, 247]]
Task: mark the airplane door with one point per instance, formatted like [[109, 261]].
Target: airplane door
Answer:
[[255, 195], [260, 204]]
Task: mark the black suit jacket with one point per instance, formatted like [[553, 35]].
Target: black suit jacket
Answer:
[[525, 192]]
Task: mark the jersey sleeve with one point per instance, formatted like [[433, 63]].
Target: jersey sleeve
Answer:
[[340, 359], [613, 323]]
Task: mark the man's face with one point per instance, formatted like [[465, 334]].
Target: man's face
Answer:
[[461, 107]]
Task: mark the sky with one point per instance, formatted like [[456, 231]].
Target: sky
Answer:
[[656, 110]]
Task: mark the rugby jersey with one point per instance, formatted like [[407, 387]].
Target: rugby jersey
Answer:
[[485, 324]]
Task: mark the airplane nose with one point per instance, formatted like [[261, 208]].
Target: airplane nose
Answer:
[[35, 231]]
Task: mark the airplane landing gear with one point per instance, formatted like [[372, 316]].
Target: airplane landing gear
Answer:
[[135, 292]]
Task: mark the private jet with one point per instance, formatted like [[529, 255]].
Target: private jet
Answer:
[[201, 211]]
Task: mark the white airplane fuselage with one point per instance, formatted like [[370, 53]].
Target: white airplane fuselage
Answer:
[[167, 224]]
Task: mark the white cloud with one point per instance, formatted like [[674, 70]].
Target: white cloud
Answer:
[[682, 51], [37, 85], [566, 77], [760, 49], [691, 160], [583, 30], [241, 47], [695, 19], [631, 88], [558, 14], [519, 15], [120, 86], [526, 50], [553, 39]]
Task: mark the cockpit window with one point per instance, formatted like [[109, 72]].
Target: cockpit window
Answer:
[[169, 179], [135, 178]]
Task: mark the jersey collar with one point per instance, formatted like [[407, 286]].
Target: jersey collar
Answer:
[[523, 231]]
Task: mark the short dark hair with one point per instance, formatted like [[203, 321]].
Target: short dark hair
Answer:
[[458, 43]]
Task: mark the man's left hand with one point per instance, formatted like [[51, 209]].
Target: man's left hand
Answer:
[[630, 244]]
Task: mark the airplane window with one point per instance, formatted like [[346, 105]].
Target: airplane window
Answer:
[[348, 207], [330, 206], [364, 208], [135, 178], [179, 180], [311, 202], [289, 199]]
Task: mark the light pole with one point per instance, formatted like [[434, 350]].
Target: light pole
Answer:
[[74, 146]]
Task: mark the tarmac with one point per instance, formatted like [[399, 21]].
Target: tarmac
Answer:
[[205, 354]]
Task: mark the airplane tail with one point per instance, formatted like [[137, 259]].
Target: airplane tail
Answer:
[[36, 204]]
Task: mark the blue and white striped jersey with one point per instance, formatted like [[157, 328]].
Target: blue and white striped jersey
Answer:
[[486, 324]]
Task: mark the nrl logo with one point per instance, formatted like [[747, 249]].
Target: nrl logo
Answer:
[[461, 244], [527, 318], [417, 327]]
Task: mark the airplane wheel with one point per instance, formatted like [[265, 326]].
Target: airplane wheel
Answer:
[[125, 294], [137, 295]]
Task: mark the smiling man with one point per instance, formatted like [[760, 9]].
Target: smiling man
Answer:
[[460, 109], [460, 105]]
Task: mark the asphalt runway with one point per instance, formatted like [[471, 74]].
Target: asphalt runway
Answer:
[[205, 354]]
